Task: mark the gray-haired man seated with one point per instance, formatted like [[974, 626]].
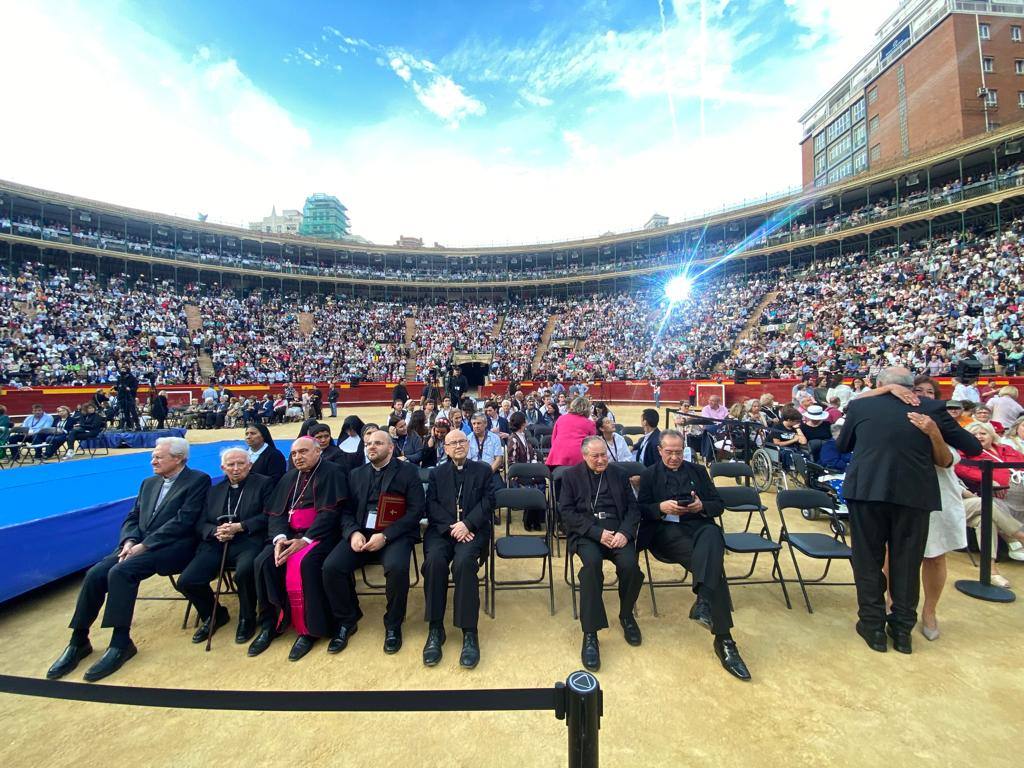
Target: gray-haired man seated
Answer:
[[158, 537]]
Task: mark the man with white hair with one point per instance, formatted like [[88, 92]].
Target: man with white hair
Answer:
[[157, 537], [235, 518]]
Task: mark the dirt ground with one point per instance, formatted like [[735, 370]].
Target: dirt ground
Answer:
[[819, 696]]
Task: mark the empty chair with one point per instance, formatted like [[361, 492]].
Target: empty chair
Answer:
[[522, 547], [746, 499], [818, 546]]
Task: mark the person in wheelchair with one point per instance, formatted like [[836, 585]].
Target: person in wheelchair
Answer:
[[788, 436], [830, 457]]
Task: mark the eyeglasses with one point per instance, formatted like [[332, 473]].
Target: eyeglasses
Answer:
[[667, 452]]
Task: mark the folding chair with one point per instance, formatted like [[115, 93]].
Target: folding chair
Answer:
[[522, 547], [746, 499], [523, 471], [379, 588], [545, 442], [558, 531], [227, 588], [818, 546], [633, 431], [94, 445]]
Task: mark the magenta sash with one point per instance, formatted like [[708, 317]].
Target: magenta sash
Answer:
[[300, 520]]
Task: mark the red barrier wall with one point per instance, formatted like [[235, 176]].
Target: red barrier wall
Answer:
[[20, 401]]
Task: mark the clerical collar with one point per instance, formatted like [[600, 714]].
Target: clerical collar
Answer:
[[172, 478], [380, 468], [458, 466]]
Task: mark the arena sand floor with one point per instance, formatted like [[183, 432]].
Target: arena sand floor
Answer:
[[819, 696]]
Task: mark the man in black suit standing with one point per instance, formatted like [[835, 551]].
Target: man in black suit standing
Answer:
[[157, 537], [460, 510], [457, 385], [383, 482], [646, 450], [235, 516], [890, 489], [679, 504], [600, 514]]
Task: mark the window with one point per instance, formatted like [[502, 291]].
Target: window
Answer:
[[873, 95], [984, 32], [839, 150], [819, 142], [873, 125], [860, 161], [1018, 66], [857, 112], [988, 64], [1020, 99], [860, 135], [992, 100], [876, 152], [838, 127], [1015, 34], [819, 164], [841, 171]]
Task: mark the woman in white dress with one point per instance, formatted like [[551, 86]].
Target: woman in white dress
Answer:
[[947, 527]]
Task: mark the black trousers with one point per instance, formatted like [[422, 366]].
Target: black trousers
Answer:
[[194, 582], [118, 583], [699, 546], [875, 525], [340, 581], [129, 412], [591, 578], [464, 559], [77, 435], [272, 596]]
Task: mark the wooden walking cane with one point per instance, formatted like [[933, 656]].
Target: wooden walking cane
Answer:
[[216, 596]]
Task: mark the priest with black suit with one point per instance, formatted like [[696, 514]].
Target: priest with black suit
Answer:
[[460, 513], [679, 504], [646, 450], [235, 517], [600, 514], [303, 525], [380, 523], [890, 489], [157, 537]]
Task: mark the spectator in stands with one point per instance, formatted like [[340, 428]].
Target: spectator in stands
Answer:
[[983, 415], [264, 456], [568, 433], [1014, 436]]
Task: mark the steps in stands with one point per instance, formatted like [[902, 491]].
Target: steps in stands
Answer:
[[545, 339], [410, 349], [193, 317], [498, 325], [205, 365], [306, 323], [755, 316]]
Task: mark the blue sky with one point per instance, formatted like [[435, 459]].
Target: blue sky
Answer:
[[460, 122]]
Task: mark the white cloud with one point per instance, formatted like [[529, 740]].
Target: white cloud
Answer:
[[535, 99], [446, 99]]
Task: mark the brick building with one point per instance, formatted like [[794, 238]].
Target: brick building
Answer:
[[940, 71]]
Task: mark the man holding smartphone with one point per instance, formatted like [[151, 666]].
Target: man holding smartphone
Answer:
[[678, 504]]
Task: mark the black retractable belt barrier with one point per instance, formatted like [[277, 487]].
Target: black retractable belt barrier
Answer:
[[984, 589], [578, 701]]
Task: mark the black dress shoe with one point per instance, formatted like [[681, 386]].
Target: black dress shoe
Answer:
[[590, 654], [432, 648], [246, 629], [68, 660], [303, 644], [701, 613], [875, 638], [392, 641], [262, 642], [203, 632], [631, 630], [729, 655], [111, 661], [470, 656], [900, 639], [340, 641]]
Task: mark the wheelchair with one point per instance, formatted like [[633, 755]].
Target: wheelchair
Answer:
[[766, 463]]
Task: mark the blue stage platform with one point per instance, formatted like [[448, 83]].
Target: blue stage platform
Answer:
[[60, 518]]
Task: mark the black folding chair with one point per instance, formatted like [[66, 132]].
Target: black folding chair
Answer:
[[633, 431], [818, 546], [93, 445], [746, 499], [545, 442], [522, 547], [378, 588], [534, 473]]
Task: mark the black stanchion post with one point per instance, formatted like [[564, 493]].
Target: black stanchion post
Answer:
[[583, 709], [983, 589]]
